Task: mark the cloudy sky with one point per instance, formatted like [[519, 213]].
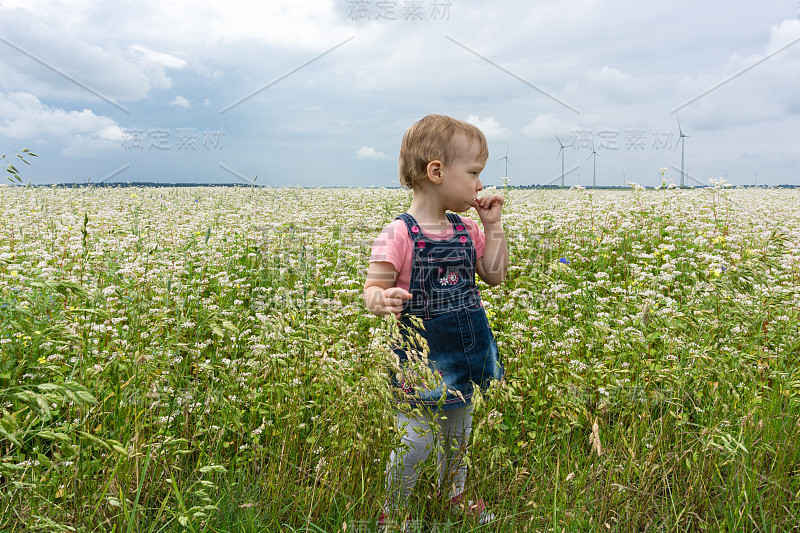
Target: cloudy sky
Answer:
[[319, 92]]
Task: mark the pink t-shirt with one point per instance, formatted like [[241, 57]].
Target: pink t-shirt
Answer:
[[394, 245]]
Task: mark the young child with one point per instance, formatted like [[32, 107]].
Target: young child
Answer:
[[422, 270]]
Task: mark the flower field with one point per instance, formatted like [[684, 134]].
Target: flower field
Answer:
[[200, 359]]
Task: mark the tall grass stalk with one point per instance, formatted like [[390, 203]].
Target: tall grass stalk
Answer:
[[200, 360]]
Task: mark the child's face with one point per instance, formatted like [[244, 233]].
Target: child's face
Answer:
[[461, 176]]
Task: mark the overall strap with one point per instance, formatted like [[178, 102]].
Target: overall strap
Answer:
[[454, 220], [459, 229], [458, 224], [416, 233], [419, 300], [412, 226]]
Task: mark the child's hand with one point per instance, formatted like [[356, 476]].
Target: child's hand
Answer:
[[394, 299], [489, 208]]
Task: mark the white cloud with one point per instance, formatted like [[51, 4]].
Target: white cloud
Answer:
[[368, 152], [613, 82], [624, 65], [747, 89], [180, 101], [310, 24], [154, 64], [784, 34], [546, 126], [606, 87], [490, 127], [158, 58], [49, 60], [209, 73], [25, 117]]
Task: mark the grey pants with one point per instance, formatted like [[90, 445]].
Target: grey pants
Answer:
[[450, 430]]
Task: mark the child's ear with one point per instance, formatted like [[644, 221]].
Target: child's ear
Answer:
[[435, 171]]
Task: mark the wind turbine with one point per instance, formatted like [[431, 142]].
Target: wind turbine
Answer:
[[755, 178], [594, 166], [507, 163], [561, 153], [683, 142]]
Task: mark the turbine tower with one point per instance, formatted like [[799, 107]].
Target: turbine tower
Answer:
[[507, 163], [594, 166], [683, 142], [561, 153]]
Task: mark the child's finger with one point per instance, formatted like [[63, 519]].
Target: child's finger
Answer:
[[491, 200], [487, 202], [394, 305], [397, 292], [394, 300], [396, 310]]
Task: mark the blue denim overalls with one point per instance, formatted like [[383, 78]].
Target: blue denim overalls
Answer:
[[461, 347]]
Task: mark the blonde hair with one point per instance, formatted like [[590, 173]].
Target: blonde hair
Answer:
[[430, 139]]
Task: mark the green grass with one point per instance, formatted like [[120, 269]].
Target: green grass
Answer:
[[200, 360]]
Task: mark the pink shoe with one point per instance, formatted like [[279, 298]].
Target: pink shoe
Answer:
[[474, 509]]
